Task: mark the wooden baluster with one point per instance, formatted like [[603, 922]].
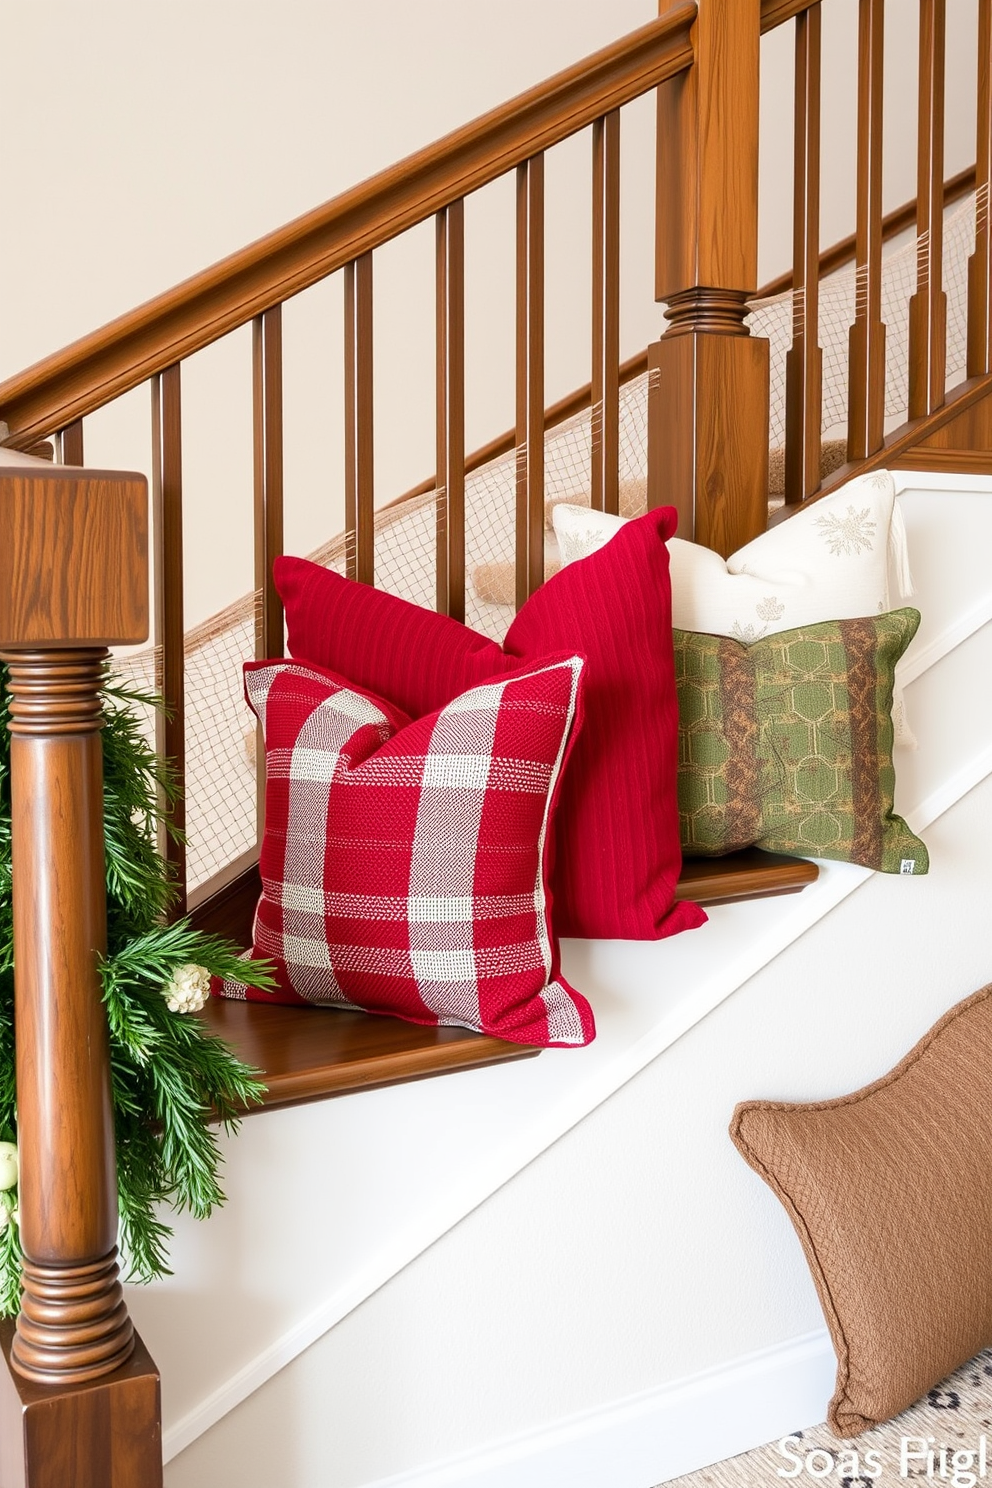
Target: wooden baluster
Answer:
[[980, 262], [708, 377], [267, 423], [81, 543], [530, 378], [167, 503], [71, 441], [450, 478], [928, 306], [866, 408], [358, 404], [606, 313], [268, 502], [803, 364]]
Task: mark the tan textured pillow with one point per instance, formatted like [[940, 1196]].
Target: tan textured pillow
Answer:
[[890, 1191]]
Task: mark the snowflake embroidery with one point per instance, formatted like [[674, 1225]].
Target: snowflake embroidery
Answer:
[[849, 534], [770, 608], [747, 634]]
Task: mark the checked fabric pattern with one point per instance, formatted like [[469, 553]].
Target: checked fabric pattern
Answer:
[[403, 863]]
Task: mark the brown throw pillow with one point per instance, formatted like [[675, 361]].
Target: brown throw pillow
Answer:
[[890, 1192]]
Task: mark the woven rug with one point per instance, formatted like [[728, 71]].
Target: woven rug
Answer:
[[944, 1439]]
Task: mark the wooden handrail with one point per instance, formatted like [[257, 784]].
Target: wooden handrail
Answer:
[[777, 12], [91, 372]]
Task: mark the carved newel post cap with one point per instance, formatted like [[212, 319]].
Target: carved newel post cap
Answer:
[[73, 556]]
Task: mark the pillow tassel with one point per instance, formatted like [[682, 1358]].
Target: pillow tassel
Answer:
[[899, 552]]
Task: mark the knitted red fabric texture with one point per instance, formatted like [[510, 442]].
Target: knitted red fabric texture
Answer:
[[618, 857]]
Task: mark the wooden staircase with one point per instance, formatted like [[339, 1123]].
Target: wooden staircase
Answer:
[[75, 559]]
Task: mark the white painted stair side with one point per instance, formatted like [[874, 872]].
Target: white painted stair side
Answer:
[[328, 1201]]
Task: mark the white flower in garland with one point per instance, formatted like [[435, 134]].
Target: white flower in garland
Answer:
[[8, 1165], [8, 1185], [188, 989]]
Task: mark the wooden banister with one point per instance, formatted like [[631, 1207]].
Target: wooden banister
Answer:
[[980, 263], [777, 12], [73, 580], [866, 406], [604, 389], [709, 378], [100, 367], [928, 306], [804, 361], [359, 473], [449, 421], [167, 501], [837, 256], [841, 253], [529, 437]]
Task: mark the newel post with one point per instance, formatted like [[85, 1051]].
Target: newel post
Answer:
[[79, 1397], [708, 385]]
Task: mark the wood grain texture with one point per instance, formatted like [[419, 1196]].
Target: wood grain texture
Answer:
[[866, 356], [312, 1053], [951, 460], [777, 12], [835, 257], [267, 444], [804, 360], [928, 306], [980, 262], [962, 421], [708, 435], [605, 385], [104, 1434], [359, 458], [970, 430], [708, 385], [73, 557], [73, 1322], [707, 174], [450, 410], [893, 223], [100, 367], [751, 874], [309, 1053], [530, 379], [71, 440], [167, 505]]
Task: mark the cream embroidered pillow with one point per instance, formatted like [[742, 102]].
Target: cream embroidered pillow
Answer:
[[831, 561]]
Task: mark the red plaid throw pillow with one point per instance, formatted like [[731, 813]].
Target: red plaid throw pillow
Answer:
[[404, 863]]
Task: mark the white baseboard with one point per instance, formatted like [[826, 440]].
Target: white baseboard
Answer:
[[658, 1434]]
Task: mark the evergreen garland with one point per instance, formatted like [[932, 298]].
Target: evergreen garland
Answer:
[[171, 1080]]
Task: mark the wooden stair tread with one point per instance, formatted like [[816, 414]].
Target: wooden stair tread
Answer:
[[750, 874], [308, 1054]]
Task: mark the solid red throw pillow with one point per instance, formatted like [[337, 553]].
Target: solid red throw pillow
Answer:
[[618, 857], [403, 864]]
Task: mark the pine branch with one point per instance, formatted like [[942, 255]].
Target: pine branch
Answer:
[[10, 1270], [172, 1081]]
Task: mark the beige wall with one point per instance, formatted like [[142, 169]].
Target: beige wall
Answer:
[[145, 139]]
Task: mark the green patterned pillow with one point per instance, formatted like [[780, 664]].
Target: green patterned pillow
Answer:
[[787, 743]]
